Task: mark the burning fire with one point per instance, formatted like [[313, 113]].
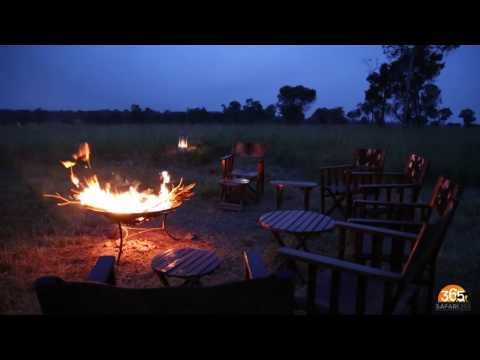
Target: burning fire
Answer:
[[183, 142], [90, 193]]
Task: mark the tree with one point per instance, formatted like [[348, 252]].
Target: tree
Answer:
[[253, 111], [136, 113], [468, 116], [355, 115], [293, 101], [328, 116], [233, 110], [429, 100], [270, 111], [379, 93], [443, 115], [412, 68]]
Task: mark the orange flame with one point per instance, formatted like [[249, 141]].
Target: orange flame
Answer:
[[90, 193]]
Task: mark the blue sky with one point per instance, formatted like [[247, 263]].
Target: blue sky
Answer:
[[176, 77]]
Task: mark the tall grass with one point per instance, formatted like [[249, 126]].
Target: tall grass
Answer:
[[452, 151]]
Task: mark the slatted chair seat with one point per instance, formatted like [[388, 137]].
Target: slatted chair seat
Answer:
[[367, 248], [245, 174], [234, 182], [348, 294]]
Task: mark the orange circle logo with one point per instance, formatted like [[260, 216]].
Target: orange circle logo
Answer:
[[452, 294]]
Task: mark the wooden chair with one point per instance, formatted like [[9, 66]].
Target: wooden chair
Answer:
[[233, 190], [406, 216], [261, 293], [410, 180], [336, 180], [248, 152], [381, 285]]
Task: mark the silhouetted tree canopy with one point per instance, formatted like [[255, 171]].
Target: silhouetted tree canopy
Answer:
[[444, 114], [328, 116], [293, 101], [468, 116], [405, 87]]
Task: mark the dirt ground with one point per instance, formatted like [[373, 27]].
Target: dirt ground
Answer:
[[198, 223]]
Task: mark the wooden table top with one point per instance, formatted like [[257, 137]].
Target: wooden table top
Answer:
[[186, 262], [296, 221], [300, 184]]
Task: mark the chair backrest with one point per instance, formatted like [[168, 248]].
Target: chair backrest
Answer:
[[369, 158], [226, 166], [432, 235], [444, 195], [416, 169], [271, 295], [248, 149]]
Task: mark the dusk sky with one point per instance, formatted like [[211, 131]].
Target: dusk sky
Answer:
[[179, 77]]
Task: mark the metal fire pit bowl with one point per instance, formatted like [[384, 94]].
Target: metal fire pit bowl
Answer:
[[136, 219]]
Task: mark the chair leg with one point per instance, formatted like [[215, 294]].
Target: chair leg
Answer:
[[322, 200], [429, 289]]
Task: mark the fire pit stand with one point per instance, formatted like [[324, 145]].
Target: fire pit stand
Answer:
[[136, 219]]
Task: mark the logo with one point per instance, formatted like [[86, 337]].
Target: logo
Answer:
[[453, 298]]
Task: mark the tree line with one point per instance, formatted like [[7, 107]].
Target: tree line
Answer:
[[402, 90]]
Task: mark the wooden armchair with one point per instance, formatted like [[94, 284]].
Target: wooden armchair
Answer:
[[261, 293], [406, 216], [247, 152], [381, 285], [336, 180], [403, 215], [408, 181]]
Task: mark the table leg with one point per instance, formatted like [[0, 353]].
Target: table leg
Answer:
[[165, 229], [163, 279], [302, 241], [306, 198], [277, 236], [121, 243], [279, 196]]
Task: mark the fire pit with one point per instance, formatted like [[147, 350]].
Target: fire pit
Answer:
[[129, 206]]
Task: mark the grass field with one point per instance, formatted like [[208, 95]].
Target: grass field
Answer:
[[30, 155]]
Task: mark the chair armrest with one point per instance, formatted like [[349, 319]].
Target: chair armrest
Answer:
[[253, 265], [391, 204], [393, 173], [376, 230], [337, 264], [336, 167], [391, 223], [365, 173], [387, 186], [226, 157], [103, 271]]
